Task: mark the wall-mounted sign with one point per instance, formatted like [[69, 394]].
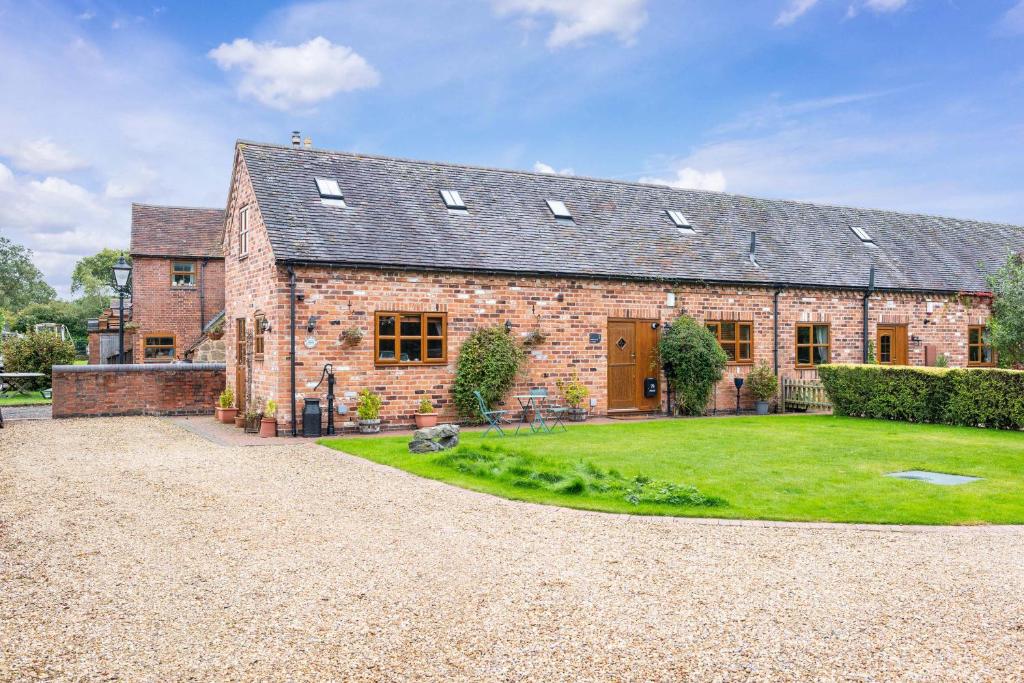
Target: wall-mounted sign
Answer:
[[310, 342], [595, 338]]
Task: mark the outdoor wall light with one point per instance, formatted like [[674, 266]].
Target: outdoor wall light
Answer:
[[266, 325], [508, 325], [311, 325], [738, 381], [655, 326]]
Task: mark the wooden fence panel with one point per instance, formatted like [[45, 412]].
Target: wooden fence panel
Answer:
[[801, 395]]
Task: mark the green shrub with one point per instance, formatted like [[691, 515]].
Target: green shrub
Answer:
[[227, 398], [37, 353], [426, 407], [762, 382], [970, 397], [369, 404], [488, 362], [694, 363], [573, 391]]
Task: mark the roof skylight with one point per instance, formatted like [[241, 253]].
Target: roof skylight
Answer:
[[453, 200], [680, 220], [330, 192], [559, 209], [862, 234]]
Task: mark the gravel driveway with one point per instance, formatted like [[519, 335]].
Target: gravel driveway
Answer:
[[133, 549]]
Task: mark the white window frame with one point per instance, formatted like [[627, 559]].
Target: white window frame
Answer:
[[243, 231]]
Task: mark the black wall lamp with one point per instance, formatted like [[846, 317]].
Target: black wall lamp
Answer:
[[508, 325], [311, 325], [266, 325]]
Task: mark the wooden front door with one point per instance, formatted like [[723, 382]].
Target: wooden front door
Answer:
[[892, 344], [631, 361], [240, 364]]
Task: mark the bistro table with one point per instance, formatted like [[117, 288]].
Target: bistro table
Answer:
[[535, 403], [16, 382]]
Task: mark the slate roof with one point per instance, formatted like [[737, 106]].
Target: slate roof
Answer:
[[396, 218], [176, 231]]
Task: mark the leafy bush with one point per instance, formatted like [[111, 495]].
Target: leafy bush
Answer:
[[977, 397], [426, 407], [573, 391], [488, 362], [227, 398], [694, 363], [37, 353], [528, 471], [942, 361], [1007, 323], [369, 404], [270, 410], [762, 382]]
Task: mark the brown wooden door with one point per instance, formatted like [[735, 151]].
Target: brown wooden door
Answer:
[[892, 345], [631, 360], [240, 364]]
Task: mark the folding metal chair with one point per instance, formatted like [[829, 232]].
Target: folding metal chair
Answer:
[[554, 414], [494, 417]]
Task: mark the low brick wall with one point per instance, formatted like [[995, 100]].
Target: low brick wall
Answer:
[[164, 389]]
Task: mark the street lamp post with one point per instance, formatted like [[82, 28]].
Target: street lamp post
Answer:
[[122, 276]]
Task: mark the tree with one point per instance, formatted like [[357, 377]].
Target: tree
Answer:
[[72, 314], [21, 283], [694, 363], [1006, 326], [93, 274], [37, 353]]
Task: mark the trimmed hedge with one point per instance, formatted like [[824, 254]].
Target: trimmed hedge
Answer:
[[975, 397]]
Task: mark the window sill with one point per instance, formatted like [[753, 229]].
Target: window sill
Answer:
[[409, 364], [732, 363], [184, 288], [244, 256]]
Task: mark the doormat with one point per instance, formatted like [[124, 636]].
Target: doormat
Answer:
[[934, 477]]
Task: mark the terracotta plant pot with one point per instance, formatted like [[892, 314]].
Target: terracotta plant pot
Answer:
[[426, 420], [268, 427], [239, 420], [226, 415]]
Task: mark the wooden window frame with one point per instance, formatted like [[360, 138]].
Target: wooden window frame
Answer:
[[812, 345], [397, 337], [716, 328], [258, 343], [981, 346], [146, 345], [194, 273], [243, 232]]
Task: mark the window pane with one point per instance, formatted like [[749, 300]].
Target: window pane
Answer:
[[387, 349], [728, 331], [821, 334], [714, 328], [974, 354], [435, 348], [745, 352], [986, 335], [973, 335], [730, 351], [386, 328], [820, 355], [411, 326], [803, 335], [884, 349], [986, 354], [745, 332], [803, 355], [434, 327], [157, 352], [412, 350]]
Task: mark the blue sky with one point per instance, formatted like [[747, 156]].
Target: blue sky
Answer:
[[911, 105]]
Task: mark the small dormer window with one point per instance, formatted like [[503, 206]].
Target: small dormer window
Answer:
[[680, 221], [330, 192], [862, 234], [453, 201], [559, 209]]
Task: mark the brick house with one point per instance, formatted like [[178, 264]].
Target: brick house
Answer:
[[177, 279], [382, 267]]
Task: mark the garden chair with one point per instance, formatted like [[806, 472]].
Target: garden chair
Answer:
[[494, 417], [554, 414]]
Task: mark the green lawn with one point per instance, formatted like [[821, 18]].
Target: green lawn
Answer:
[[32, 399], [807, 467]]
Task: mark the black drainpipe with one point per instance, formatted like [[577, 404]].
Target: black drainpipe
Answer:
[[775, 329], [291, 283], [202, 296], [867, 295]]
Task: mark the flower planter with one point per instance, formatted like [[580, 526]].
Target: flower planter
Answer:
[[577, 415], [426, 420], [252, 424], [761, 407], [239, 420], [369, 426], [268, 427], [226, 415]]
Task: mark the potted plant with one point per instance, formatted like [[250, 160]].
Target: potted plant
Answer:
[[426, 416], [253, 417], [225, 410], [268, 425], [368, 411], [763, 385], [575, 393], [352, 336]]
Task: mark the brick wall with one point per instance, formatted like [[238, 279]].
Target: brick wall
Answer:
[[159, 308], [566, 311], [156, 389]]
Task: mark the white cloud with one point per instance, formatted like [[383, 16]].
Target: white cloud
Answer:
[[42, 155], [795, 9], [286, 77], [689, 178], [1013, 20], [577, 20], [541, 167]]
